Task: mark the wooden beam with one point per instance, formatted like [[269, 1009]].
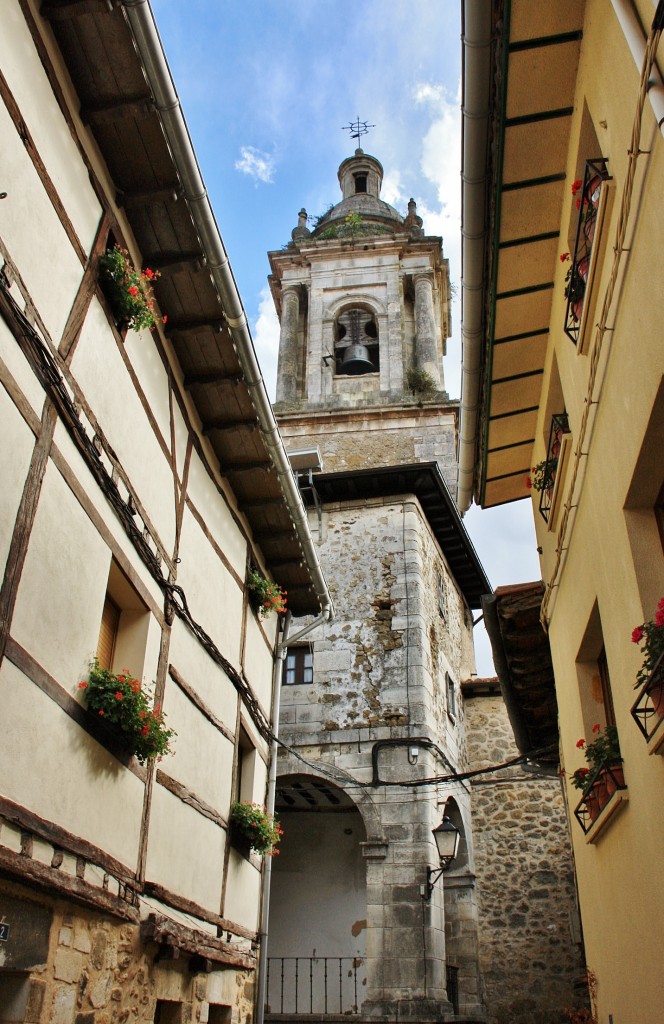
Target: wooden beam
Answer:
[[138, 197], [245, 467], [211, 377], [220, 424], [172, 899], [54, 881], [117, 110], [199, 703], [176, 263], [62, 10], [60, 838], [190, 798], [169, 933], [215, 323]]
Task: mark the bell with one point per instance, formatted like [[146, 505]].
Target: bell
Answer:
[[356, 360]]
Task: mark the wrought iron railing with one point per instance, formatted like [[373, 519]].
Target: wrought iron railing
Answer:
[[559, 427], [314, 984], [606, 780], [588, 197], [648, 708]]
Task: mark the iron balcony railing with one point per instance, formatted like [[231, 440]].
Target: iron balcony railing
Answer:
[[602, 784], [648, 709], [559, 427], [588, 197], [314, 984]]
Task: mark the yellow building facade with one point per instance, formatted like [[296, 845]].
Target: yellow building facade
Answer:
[[563, 390]]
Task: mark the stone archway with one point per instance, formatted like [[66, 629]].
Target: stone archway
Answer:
[[318, 901]]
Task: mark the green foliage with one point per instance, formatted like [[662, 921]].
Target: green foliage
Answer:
[[651, 636], [252, 825], [543, 475], [123, 704], [128, 290], [419, 381], [353, 227], [265, 596]]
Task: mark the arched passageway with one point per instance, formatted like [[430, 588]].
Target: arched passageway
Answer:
[[318, 901]]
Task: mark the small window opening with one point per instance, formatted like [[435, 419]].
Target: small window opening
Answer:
[[123, 630], [451, 697], [298, 666], [360, 182], [246, 768], [442, 598]]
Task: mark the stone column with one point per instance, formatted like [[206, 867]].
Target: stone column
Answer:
[[426, 347], [288, 364]]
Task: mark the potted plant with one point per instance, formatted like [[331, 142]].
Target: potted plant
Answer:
[[651, 674], [265, 596], [252, 828], [125, 709], [605, 773], [543, 476], [129, 291]]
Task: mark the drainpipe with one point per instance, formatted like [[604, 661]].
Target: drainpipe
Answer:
[[167, 102], [636, 41], [261, 985], [476, 40]]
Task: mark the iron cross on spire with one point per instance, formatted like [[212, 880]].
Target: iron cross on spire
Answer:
[[357, 128]]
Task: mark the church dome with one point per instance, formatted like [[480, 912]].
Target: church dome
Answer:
[[360, 178]]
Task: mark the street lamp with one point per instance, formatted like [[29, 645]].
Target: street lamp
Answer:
[[447, 838]]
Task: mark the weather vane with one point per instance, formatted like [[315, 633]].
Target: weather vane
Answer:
[[357, 128]]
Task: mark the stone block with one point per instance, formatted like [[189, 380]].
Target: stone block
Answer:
[[62, 1011], [67, 965]]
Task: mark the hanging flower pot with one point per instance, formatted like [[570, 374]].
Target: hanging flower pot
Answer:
[[125, 710], [252, 828], [129, 292], [265, 596]]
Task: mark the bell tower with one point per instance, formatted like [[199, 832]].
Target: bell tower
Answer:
[[364, 304], [371, 700]]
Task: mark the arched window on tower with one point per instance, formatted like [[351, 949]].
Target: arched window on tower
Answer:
[[356, 343]]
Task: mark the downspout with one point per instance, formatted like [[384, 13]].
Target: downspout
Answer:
[[636, 41], [146, 37], [282, 647], [476, 39]]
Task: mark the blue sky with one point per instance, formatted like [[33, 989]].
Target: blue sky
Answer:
[[266, 87]]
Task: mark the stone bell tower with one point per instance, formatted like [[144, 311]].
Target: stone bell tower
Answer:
[[371, 707], [364, 305]]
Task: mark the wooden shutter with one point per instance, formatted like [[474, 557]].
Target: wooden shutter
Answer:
[[110, 620]]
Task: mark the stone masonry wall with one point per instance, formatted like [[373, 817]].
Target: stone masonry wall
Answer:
[[525, 883], [94, 969]]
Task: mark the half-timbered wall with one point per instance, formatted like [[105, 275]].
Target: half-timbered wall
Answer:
[[118, 861]]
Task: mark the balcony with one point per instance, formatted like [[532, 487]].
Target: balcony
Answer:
[[592, 199], [603, 796], [556, 454], [648, 709]]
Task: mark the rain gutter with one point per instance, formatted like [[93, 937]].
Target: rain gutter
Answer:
[[476, 78], [282, 647], [636, 41], [167, 103]]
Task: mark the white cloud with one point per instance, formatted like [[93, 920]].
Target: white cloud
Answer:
[[266, 341], [392, 189], [256, 164]]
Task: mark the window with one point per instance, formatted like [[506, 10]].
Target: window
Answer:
[[442, 599], [124, 626], [168, 1012], [298, 666], [246, 768], [356, 343], [360, 182], [451, 697]]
